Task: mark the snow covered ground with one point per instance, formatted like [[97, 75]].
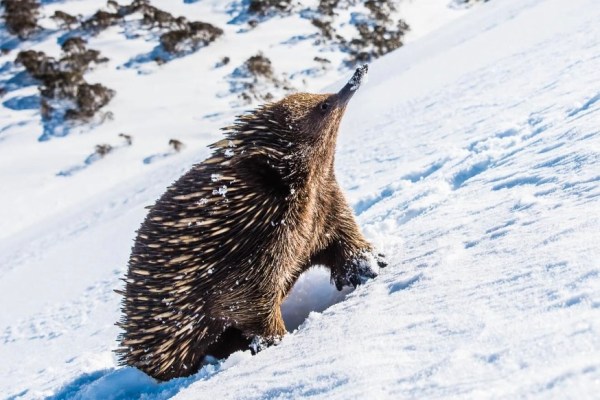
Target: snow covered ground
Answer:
[[471, 157]]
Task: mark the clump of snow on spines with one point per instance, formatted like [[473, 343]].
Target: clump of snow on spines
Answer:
[[222, 191]]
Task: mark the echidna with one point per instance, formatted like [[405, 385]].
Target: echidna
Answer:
[[220, 250]]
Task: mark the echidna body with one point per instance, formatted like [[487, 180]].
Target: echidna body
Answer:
[[220, 250]]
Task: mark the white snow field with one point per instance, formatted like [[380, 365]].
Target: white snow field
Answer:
[[472, 160]]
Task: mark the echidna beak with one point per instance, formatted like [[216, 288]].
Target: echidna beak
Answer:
[[353, 84]]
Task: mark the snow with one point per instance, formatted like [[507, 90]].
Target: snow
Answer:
[[471, 158]]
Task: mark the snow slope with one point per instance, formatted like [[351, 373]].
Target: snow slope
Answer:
[[471, 158], [68, 217]]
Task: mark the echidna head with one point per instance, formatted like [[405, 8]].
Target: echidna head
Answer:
[[293, 138], [314, 119]]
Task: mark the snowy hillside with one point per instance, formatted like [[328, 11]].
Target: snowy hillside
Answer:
[[471, 158]]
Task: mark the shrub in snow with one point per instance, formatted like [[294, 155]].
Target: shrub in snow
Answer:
[[21, 16], [322, 60], [100, 21], [259, 65], [177, 34], [268, 7], [128, 139], [104, 19], [103, 149], [378, 28], [379, 34], [64, 20], [74, 45], [255, 79], [64, 91], [88, 100], [176, 145], [192, 36], [155, 17], [222, 62]]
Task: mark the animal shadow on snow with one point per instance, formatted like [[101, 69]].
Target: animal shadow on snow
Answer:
[[127, 383]]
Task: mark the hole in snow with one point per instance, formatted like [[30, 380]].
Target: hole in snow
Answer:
[[312, 292]]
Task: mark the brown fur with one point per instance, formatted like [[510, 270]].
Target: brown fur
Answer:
[[221, 249]]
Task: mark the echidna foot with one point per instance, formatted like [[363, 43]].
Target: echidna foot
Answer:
[[359, 269], [259, 343]]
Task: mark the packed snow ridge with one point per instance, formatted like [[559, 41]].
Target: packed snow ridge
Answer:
[[471, 157]]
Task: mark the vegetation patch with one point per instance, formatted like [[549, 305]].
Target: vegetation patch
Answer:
[[255, 79], [378, 29], [190, 37], [177, 35], [20, 17], [269, 7], [65, 94]]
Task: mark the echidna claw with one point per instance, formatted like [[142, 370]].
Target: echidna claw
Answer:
[[259, 343]]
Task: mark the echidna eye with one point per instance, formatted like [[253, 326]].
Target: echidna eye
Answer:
[[324, 106]]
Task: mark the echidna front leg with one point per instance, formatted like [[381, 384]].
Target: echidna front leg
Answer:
[[349, 265], [270, 332], [350, 257], [261, 324]]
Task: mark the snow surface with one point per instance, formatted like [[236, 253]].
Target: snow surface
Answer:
[[471, 158]]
